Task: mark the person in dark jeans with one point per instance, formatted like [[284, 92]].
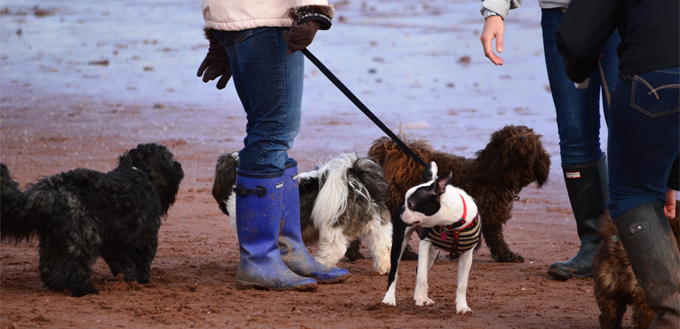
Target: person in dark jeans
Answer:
[[644, 131], [584, 164]]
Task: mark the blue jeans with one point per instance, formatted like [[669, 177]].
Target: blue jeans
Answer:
[[644, 138], [578, 110], [269, 84]]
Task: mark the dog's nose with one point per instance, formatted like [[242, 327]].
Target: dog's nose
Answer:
[[523, 138]]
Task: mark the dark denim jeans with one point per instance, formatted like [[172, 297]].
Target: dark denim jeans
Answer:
[[578, 110], [644, 138], [269, 83]]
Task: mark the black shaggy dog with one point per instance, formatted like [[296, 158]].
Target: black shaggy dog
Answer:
[[82, 214], [513, 159]]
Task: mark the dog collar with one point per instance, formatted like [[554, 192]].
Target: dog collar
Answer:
[[462, 222], [514, 195]]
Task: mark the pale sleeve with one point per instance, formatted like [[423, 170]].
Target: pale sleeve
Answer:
[[500, 7]]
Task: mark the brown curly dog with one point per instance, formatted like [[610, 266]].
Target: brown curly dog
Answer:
[[615, 285], [513, 159]]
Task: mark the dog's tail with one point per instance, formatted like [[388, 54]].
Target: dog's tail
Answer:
[[21, 214], [347, 174], [225, 179]]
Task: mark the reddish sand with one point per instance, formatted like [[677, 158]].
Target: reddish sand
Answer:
[[193, 275]]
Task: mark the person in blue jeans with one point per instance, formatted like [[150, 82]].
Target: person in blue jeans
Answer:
[[584, 163], [257, 45], [644, 131]]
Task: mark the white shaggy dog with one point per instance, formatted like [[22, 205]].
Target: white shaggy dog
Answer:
[[342, 200]]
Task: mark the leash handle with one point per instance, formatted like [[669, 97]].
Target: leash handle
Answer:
[[361, 106]]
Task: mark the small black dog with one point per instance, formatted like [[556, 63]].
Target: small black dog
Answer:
[[82, 214]]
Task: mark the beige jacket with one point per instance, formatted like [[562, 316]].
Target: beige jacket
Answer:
[[238, 15]]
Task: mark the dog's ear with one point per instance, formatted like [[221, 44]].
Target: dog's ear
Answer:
[[225, 179], [430, 172], [542, 167], [441, 183]]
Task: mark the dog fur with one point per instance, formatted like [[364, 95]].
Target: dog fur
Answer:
[[615, 285], [82, 214], [513, 159], [342, 200], [434, 203]]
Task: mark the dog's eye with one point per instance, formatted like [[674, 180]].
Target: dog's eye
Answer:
[[410, 205]]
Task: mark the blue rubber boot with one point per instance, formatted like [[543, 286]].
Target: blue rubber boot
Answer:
[[258, 219], [293, 250]]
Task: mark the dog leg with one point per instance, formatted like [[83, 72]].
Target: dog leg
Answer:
[[426, 256], [500, 252], [399, 243], [145, 253], [64, 263], [642, 314], [79, 276], [464, 265], [379, 241], [51, 266], [332, 245], [611, 312], [353, 252], [120, 265]]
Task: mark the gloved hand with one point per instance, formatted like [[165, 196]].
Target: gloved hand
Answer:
[[300, 35], [216, 62]]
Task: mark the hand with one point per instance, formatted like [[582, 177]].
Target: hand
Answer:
[[216, 63], [669, 209], [493, 29], [300, 35]]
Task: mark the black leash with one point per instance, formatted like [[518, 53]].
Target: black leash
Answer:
[[361, 106]]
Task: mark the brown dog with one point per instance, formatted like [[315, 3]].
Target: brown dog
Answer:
[[513, 159], [615, 284]]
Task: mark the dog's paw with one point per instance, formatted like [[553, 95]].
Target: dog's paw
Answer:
[[463, 310], [423, 301], [390, 300], [382, 269], [509, 257]]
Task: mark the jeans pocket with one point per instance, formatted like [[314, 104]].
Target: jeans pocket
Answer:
[[656, 93], [239, 36]]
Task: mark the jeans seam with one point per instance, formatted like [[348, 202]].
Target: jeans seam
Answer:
[[640, 109]]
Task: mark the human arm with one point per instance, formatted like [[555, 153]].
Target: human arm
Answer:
[[669, 208], [582, 33], [673, 185], [494, 12], [493, 29]]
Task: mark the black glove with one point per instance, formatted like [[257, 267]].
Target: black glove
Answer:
[[216, 62], [307, 20], [300, 35]]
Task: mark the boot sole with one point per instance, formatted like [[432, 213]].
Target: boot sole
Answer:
[[338, 280], [251, 285], [562, 275]]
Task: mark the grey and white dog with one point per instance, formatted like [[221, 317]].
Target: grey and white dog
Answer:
[[341, 201]]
